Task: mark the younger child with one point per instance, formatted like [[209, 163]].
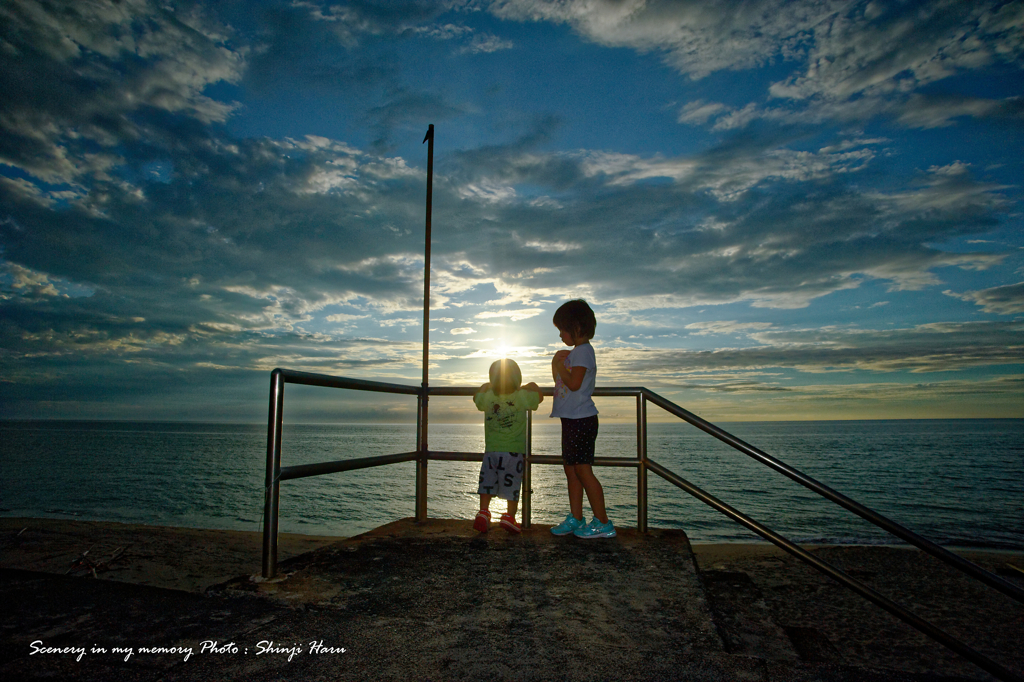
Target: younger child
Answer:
[[575, 373], [504, 405]]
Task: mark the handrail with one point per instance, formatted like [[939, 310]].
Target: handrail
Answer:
[[307, 470], [870, 515], [329, 381], [979, 659], [276, 474]]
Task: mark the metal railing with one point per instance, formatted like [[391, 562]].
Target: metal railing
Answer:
[[643, 464]]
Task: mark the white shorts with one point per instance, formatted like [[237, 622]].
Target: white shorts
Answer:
[[501, 475]]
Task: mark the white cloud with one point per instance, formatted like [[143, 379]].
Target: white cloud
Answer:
[[513, 315], [941, 347], [858, 53], [345, 317], [486, 44], [238, 246], [698, 112], [558, 247], [860, 60], [487, 192], [30, 281], [1002, 300], [177, 54], [623, 169], [726, 327], [695, 37], [401, 322]]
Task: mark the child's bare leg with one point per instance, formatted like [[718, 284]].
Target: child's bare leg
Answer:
[[485, 502], [595, 493], [575, 491], [513, 507]]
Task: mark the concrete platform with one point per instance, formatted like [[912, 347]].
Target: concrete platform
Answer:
[[431, 601]]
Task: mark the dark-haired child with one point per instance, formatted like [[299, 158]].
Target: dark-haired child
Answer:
[[575, 373]]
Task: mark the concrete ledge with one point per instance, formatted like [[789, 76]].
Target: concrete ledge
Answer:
[[438, 601]]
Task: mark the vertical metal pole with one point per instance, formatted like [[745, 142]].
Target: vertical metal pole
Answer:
[[527, 474], [419, 449], [421, 460], [641, 467], [273, 483]]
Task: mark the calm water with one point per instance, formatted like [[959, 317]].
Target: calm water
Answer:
[[955, 482]]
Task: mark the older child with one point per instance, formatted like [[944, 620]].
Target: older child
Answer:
[[575, 373], [504, 405]]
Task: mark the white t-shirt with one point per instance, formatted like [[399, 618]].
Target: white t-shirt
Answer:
[[579, 403]]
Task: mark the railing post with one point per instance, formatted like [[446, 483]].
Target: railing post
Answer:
[[421, 459], [641, 467], [527, 474], [273, 483]]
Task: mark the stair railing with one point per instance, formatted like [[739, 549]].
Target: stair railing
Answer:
[[276, 474]]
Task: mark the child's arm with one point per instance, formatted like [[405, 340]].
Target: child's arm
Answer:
[[483, 389], [558, 362], [572, 378], [536, 389]]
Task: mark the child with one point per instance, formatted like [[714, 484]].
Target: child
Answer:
[[504, 405], [575, 372]]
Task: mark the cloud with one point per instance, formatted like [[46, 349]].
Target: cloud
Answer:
[[950, 399], [925, 348], [96, 78], [409, 108], [1002, 300], [742, 221], [353, 21], [486, 44], [150, 239], [696, 38], [851, 49], [32, 284], [699, 111], [401, 322], [513, 315], [725, 327], [344, 317], [854, 61], [879, 49], [542, 245]]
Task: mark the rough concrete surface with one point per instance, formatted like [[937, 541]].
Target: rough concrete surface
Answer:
[[437, 601]]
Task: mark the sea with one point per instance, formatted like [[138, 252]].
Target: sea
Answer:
[[959, 483]]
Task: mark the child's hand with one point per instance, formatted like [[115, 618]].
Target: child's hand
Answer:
[[532, 386], [483, 389], [560, 356]]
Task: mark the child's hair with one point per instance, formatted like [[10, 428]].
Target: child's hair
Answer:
[[577, 318], [505, 377]]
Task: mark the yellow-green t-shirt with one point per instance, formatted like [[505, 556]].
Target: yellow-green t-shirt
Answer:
[[505, 418]]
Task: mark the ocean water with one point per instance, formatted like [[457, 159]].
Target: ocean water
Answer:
[[958, 483]]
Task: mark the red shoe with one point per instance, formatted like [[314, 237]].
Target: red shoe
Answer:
[[483, 521], [508, 522]]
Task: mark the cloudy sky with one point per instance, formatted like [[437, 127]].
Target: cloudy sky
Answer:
[[778, 210]]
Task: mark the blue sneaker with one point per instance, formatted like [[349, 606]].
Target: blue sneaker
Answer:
[[596, 529], [568, 526]]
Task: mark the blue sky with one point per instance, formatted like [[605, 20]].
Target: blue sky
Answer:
[[778, 210]]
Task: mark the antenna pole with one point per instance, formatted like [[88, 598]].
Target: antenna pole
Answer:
[[421, 462], [429, 139]]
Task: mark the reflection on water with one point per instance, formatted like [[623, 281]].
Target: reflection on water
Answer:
[[956, 482]]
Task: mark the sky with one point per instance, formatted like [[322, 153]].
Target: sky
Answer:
[[778, 210]]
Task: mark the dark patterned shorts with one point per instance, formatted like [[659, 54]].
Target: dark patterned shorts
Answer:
[[578, 438], [501, 475]]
